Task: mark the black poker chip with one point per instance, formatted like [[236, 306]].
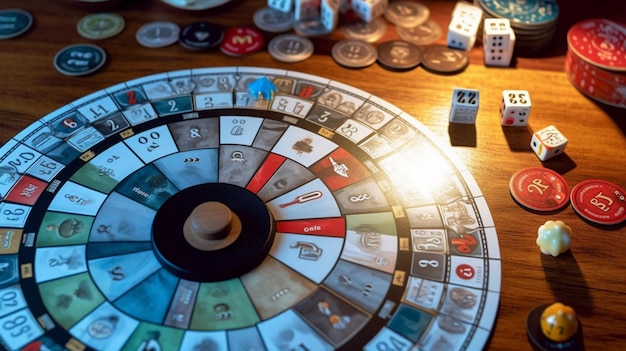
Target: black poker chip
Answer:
[[399, 55], [201, 36]]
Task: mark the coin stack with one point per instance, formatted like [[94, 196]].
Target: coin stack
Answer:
[[596, 60], [533, 21]]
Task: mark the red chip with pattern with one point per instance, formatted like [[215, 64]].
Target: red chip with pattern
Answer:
[[241, 41], [539, 189], [599, 201], [600, 42]]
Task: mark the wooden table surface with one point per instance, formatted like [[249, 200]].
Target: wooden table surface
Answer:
[[591, 277]]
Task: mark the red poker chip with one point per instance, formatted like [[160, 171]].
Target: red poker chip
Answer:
[[239, 41], [600, 42], [601, 85], [599, 201], [539, 189]]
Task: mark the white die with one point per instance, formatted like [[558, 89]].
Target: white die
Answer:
[[369, 10], [463, 27], [281, 5], [465, 104], [515, 108], [498, 42], [548, 142], [329, 14]]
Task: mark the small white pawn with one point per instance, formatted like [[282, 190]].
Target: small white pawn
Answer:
[[554, 238]]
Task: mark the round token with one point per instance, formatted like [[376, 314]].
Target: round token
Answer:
[[424, 34], [201, 36], [290, 48], [599, 201], [354, 53], [445, 60], [272, 20], [158, 34], [542, 343], [600, 42], [100, 25], [529, 12], [14, 22], [195, 5], [406, 13], [361, 30], [399, 55], [311, 27], [239, 41], [539, 189], [79, 59]]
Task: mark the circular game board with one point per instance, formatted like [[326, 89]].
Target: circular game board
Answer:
[[357, 230]]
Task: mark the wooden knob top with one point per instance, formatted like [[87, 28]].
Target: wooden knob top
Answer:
[[211, 226]]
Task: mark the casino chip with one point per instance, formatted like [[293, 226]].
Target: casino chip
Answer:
[[399, 55], [311, 27], [100, 25], [361, 30], [406, 13], [240, 41], [290, 48], [14, 22], [424, 34], [201, 36], [158, 34], [79, 59], [272, 20], [599, 201], [539, 189], [354, 53], [444, 60]]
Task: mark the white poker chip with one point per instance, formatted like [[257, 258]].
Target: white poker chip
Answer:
[[290, 48], [272, 20], [158, 34]]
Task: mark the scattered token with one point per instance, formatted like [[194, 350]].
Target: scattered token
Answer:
[[311, 27], [589, 40], [195, 5], [399, 55], [599, 201], [565, 322], [539, 189], [361, 30], [239, 41], [442, 59], [158, 34], [354, 53], [406, 13], [424, 34], [79, 59], [201, 36], [272, 20], [14, 22], [100, 25], [290, 48]]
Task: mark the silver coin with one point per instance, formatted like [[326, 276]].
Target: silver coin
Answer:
[[158, 34], [311, 27], [361, 30], [354, 53], [424, 34], [290, 48], [272, 20], [406, 13], [445, 60]]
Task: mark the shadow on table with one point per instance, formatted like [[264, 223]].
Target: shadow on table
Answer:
[[567, 282]]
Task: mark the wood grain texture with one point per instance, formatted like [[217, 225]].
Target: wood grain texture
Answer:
[[590, 277]]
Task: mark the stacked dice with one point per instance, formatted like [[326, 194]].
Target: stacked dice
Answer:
[[596, 60], [498, 42], [464, 26]]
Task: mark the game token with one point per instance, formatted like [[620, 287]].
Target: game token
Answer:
[[100, 25], [361, 30], [542, 318], [424, 34], [353, 53], [311, 27], [195, 5], [406, 13], [444, 60], [530, 13], [272, 20], [79, 59], [239, 41], [182, 211], [158, 34], [14, 22], [399, 55], [201, 36], [600, 42], [290, 48], [539, 189], [599, 201]]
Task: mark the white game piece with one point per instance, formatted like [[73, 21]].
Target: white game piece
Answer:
[[369, 10], [329, 13], [554, 238], [498, 42], [464, 106], [548, 142], [280, 5], [515, 108], [463, 27], [306, 9]]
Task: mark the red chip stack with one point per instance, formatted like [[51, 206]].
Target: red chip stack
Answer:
[[596, 60]]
